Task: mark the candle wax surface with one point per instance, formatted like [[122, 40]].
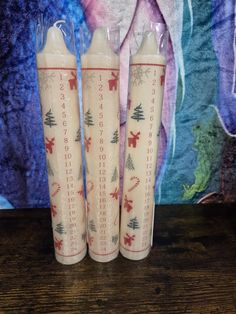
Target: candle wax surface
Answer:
[[60, 116], [100, 85], [142, 136]]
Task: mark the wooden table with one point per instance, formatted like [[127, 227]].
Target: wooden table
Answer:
[[191, 268]]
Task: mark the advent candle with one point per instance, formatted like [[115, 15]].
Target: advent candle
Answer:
[[100, 85], [61, 122], [147, 70]]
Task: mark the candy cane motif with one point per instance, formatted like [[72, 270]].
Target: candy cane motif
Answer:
[[57, 188], [81, 191], [90, 186], [137, 181], [116, 219]]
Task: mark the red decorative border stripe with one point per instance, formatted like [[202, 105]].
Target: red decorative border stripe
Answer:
[[104, 254], [149, 64], [57, 69], [138, 251], [103, 69], [72, 254]]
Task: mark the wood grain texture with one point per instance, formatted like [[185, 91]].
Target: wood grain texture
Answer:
[[191, 268]]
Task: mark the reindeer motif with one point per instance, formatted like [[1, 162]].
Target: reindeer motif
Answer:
[[58, 244], [49, 144], [128, 239], [162, 78], [113, 82], [72, 81], [87, 143], [132, 141], [115, 194], [127, 204]]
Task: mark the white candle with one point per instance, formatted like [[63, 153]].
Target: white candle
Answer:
[[60, 114], [143, 122], [100, 71]]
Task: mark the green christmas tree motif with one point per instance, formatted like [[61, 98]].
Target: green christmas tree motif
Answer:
[[80, 172], [138, 113], [115, 138], [115, 175], [88, 119], [133, 223], [49, 119], [78, 136], [115, 238], [60, 228], [129, 163], [91, 226], [50, 171]]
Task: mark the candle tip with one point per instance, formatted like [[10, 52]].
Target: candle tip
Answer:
[[149, 44], [99, 43], [55, 43]]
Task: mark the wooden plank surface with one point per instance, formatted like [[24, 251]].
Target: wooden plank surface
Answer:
[[191, 268]]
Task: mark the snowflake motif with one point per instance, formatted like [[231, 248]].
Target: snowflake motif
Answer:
[[138, 75], [46, 80], [88, 79]]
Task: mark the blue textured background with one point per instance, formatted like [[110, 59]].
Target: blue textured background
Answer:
[[199, 142], [22, 156]]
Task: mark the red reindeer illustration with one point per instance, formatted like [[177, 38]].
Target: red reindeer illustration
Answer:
[[162, 78], [115, 194], [87, 143], [53, 210], [127, 204], [132, 141], [128, 239], [58, 244], [113, 82], [49, 144], [72, 81]]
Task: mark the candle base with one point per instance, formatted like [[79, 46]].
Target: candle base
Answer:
[[104, 258], [70, 260], [135, 256]]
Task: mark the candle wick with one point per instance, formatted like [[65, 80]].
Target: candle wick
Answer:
[[57, 22], [59, 27]]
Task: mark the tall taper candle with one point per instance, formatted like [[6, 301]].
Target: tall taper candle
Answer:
[[143, 122], [100, 85], [60, 113]]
